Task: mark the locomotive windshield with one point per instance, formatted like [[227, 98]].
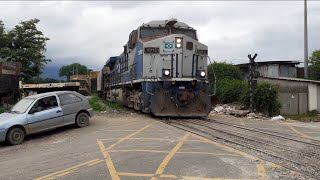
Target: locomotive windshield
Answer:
[[190, 33], [153, 33]]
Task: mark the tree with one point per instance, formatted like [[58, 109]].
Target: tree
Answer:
[[314, 61], [73, 69], [25, 44]]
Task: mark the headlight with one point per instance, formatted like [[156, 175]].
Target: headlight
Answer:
[[178, 42], [166, 72], [202, 74]]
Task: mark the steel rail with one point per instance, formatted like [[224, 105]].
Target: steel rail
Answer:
[[196, 131], [269, 143]]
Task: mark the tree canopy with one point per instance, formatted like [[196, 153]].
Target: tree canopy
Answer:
[[73, 69], [25, 44], [314, 61]]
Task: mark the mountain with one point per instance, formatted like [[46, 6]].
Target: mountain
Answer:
[[51, 72]]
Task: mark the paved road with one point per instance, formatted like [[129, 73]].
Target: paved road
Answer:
[[129, 146]]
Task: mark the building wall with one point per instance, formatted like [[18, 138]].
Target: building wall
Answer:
[[296, 97]]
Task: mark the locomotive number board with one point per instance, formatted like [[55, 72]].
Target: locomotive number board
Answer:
[[151, 50], [199, 51]]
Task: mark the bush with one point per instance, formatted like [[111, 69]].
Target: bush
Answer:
[[2, 109], [223, 71], [99, 105], [231, 90], [265, 99], [229, 86]]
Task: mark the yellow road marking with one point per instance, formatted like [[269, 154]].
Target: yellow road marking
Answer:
[[135, 174], [207, 153], [127, 137], [262, 172], [111, 168], [228, 148], [298, 132], [159, 139], [65, 173], [66, 170], [202, 178], [181, 152], [94, 163], [138, 150], [167, 159], [168, 176]]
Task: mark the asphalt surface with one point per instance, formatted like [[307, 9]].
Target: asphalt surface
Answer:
[[132, 146]]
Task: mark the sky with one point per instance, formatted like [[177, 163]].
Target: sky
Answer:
[[90, 32]]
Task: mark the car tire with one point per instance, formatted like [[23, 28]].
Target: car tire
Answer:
[[82, 120], [15, 136]]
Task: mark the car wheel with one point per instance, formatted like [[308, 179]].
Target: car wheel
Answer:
[[15, 136], [82, 120]]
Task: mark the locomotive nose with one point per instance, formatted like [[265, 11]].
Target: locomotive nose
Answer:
[[185, 98]]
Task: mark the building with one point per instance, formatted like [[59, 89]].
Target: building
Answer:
[[275, 69], [296, 95]]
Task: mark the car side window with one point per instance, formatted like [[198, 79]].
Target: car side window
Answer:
[[68, 99], [45, 104]]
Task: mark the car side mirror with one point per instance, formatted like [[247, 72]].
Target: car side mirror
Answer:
[[33, 110]]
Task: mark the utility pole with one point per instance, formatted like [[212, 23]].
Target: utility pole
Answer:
[[252, 75], [305, 40]]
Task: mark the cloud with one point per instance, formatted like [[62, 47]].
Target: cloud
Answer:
[[90, 32]]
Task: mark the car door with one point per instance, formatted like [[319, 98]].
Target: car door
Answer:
[[71, 105], [44, 114]]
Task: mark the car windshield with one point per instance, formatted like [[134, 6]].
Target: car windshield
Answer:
[[22, 106]]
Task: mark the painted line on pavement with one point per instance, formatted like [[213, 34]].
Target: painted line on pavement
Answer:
[[109, 163], [70, 169], [262, 172], [167, 159], [299, 132]]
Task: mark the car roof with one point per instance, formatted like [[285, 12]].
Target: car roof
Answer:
[[48, 94]]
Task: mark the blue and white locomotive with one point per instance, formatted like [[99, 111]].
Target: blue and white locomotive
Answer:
[[162, 70]]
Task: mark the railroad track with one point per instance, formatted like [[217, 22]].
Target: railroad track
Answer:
[[296, 153]]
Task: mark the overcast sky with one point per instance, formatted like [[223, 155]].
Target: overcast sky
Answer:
[[90, 32]]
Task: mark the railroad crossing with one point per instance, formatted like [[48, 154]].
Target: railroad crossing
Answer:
[[136, 146]]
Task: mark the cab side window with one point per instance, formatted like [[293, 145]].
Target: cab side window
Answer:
[[45, 104], [68, 99]]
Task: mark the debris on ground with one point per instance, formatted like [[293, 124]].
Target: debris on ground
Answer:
[[239, 110], [278, 118], [235, 110]]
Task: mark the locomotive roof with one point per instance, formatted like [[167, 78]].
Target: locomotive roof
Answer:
[[162, 23], [111, 61]]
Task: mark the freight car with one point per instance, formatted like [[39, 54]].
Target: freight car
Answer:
[[162, 70], [9, 81]]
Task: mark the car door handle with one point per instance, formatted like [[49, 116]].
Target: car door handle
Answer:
[[59, 111]]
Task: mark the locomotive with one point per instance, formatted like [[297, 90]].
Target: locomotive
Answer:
[[162, 70]]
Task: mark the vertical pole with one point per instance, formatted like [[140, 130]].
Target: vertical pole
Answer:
[[305, 40], [251, 71]]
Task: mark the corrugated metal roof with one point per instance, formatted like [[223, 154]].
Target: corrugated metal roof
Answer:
[[293, 62], [292, 79]]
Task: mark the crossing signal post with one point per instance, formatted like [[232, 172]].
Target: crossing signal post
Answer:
[[252, 75]]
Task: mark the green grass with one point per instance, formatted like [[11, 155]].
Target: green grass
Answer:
[[311, 116], [98, 105], [3, 109]]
